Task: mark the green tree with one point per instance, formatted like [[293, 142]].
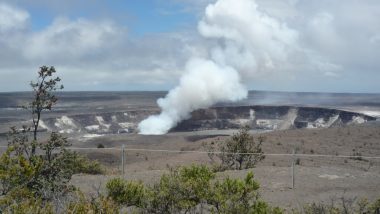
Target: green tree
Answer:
[[45, 173], [44, 98], [241, 151]]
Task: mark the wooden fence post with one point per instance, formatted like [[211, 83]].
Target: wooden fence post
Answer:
[[122, 159], [293, 165]]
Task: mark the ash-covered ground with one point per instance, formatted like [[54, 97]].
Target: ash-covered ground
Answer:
[[310, 123]]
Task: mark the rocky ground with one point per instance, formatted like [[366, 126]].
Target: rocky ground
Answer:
[[316, 178]]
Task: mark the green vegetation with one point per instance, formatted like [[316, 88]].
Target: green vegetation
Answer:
[[241, 151], [42, 169], [129, 193], [28, 205], [99, 205], [192, 189], [44, 99], [344, 205], [39, 169], [81, 164]]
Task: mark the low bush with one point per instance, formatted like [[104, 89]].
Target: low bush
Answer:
[[241, 151], [81, 164], [46, 174], [128, 193], [191, 190], [35, 206], [343, 205], [183, 189], [99, 205]]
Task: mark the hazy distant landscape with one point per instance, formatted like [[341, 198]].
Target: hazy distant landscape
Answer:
[[113, 112], [312, 123]]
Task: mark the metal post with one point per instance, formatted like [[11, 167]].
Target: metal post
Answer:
[[293, 163], [122, 159]]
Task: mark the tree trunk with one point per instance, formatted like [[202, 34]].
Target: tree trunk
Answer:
[[35, 132]]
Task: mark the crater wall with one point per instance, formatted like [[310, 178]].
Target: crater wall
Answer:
[[269, 118]]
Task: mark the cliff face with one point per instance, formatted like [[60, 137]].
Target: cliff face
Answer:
[[97, 123], [269, 118], [120, 112], [258, 117], [226, 117]]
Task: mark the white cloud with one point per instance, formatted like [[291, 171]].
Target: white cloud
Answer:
[[70, 40], [98, 51], [12, 18], [261, 38]]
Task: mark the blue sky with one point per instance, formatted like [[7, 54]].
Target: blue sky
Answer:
[[146, 44], [140, 17]]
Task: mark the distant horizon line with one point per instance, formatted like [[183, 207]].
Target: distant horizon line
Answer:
[[166, 91]]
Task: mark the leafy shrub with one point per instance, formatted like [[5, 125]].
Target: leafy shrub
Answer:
[[375, 207], [344, 205], [241, 151], [100, 204], [29, 206], [182, 189], [45, 174], [81, 164], [124, 192], [77, 203], [191, 189], [237, 196], [100, 146]]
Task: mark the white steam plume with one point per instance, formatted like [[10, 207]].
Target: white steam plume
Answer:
[[249, 41], [204, 83]]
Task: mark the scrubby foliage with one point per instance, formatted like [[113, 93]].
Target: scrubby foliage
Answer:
[[241, 151], [45, 174], [77, 203], [30, 205], [99, 205], [343, 205], [128, 193], [191, 190], [183, 189], [34, 172], [81, 164], [239, 196]]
